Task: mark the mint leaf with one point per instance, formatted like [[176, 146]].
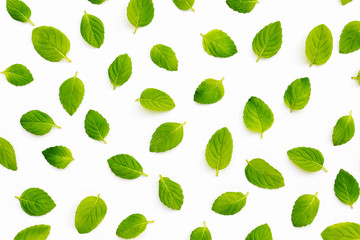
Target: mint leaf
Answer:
[[344, 130], [71, 94], [89, 214], [37, 232], [242, 6], [92, 30], [120, 70], [166, 137], [125, 166], [140, 13], [184, 4], [258, 117], [229, 203], [58, 156], [164, 57], [262, 232], [263, 175], [170, 193], [156, 100], [7, 155], [36, 202], [201, 233], [305, 210], [309, 159], [218, 44], [18, 75], [37, 122], [342, 231], [209, 91], [268, 40], [319, 45], [132, 226], [297, 95], [96, 126], [350, 38], [50, 43], [346, 188], [219, 150], [19, 11]]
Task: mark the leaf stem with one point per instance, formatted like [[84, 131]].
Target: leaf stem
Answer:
[[136, 29], [150, 221], [204, 224], [17, 197], [76, 74], [351, 206], [246, 194], [192, 9], [183, 124], [257, 60], [355, 78], [30, 22], [202, 35], [103, 140], [324, 168], [57, 126], [138, 99], [316, 194], [67, 59], [217, 172], [247, 161], [350, 113], [311, 64], [114, 87], [261, 135], [144, 174], [222, 79]]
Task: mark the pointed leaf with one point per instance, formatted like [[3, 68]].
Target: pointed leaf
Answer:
[[309, 159], [37, 232], [19, 11], [346, 188], [305, 210], [242, 6], [37, 122], [125, 166], [209, 91], [344, 130], [120, 70], [350, 38], [140, 13], [7, 155], [201, 233], [170, 193], [218, 44], [58, 156], [164, 57], [156, 100], [36, 202], [319, 45], [96, 126], [132, 226], [166, 137], [262, 232], [18, 75], [71, 94], [342, 231], [297, 95], [92, 30], [229, 203]]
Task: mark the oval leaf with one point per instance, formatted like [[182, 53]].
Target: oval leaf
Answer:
[[201, 233], [258, 117], [7, 155], [170, 193], [36, 202], [37, 232], [305, 209], [140, 13], [342, 231], [132, 226], [263, 175], [229, 203], [262, 232], [71, 94], [96, 126], [242, 6], [50, 43], [19, 11], [184, 4], [167, 136], [58, 156], [89, 214], [156, 100], [319, 45], [219, 150], [164, 57], [125, 166], [92, 30], [309, 159], [120, 70], [297, 95], [37, 122], [268, 41], [218, 44], [344, 130], [209, 91], [350, 38], [18, 75], [346, 188]]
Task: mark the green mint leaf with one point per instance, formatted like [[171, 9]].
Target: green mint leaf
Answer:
[[7, 155], [268, 40], [132, 226], [219, 150], [350, 38], [37, 232], [344, 2], [18, 75], [342, 231], [229, 203], [37, 122], [167, 136], [344, 130], [89, 214], [58, 156], [319, 45], [97, 1], [262, 232], [201, 233], [164, 57], [92, 30], [242, 6], [71, 94], [218, 44], [263, 175], [120, 70], [50, 43], [184, 4], [209, 91], [96, 126], [346, 188], [156, 100], [309, 159], [36, 202], [297, 95], [125, 166], [258, 117], [305, 209], [170, 193], [19, 11], [140, 13]]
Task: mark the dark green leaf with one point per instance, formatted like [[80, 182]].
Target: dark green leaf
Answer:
[[344, 2], [37, 122], [58, 156], [97, 1], [18, 75]]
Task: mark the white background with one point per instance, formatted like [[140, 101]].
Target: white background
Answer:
[[333, 95]]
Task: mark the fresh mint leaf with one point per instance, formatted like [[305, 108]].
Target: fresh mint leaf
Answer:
[[297, 95], [132, 226], [19, 11], [7, 155], [97, 1], [58, 156], [140, 13], [319, 45], [96, 126], [342, 231], [36, 202], [71, 94], [92, 30], [344, 130], [309, 159], [218, 44], [164, 57], [125, 166], [209, 91], [201, 233], [184, 4], [170, 193], [156, 100], [262, 232], [350, 38], [18, 75], [305, 210], [346, 188], [120, 70], [229, 203], [37, 232], [37, 122], [167, 136], [242, 6]]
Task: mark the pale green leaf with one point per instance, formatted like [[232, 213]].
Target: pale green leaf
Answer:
[[229, 203], [309, 159], [305, 210], [18, 75], [167, 136], [71, 94], [156, 100], [201, 233], [342, 231], [170, 193], [218, 44], [37, 122], [164, 57], [19, 11], [319, 45], [125, 166], [140, 13], [350, 38], [92, 30], [37, 232], [7, 155], [132, 226], [344, 130], [242, 6], [184, 4], [262, 232], [209, 91]]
